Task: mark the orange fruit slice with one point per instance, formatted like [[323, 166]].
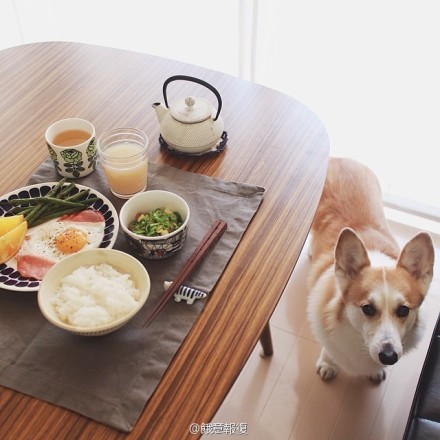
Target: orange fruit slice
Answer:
[[9, 223], [11, 241]]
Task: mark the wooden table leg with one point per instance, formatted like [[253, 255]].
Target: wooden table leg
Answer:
[[266, 342]]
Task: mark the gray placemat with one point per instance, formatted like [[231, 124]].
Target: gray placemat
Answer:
[[110, 378]]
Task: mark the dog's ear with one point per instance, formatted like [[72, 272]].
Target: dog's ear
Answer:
[[350, 257], [417, 257]]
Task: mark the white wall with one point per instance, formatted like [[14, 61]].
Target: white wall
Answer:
[[371, 70]]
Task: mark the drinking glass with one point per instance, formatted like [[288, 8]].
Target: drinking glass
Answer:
[[124, 158]]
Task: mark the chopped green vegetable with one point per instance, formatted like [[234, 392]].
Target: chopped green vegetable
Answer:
[[160, 221]]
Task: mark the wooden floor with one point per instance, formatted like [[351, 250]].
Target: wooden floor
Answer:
[[282, 398]]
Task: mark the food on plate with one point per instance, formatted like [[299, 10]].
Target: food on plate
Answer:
[[13, 238], [60, 200], [48, 243], [95, 295], [54, 225], [9, 223], [160, 221], [71, 240]]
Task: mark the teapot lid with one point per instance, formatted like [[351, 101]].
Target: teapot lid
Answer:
[[191, 110]]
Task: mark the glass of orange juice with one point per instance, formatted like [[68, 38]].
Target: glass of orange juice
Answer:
[[124, 158]]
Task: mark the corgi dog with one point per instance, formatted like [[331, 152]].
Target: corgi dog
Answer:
[[365, 292]]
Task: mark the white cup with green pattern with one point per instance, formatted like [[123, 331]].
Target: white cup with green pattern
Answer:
[[72, 147]]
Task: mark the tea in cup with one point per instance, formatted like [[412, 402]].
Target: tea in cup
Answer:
[[124, 158], [72, 147]]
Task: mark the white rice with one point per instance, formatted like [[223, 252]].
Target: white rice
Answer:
[[95, 295]]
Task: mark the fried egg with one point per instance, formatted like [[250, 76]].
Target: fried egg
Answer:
[[59, 238]]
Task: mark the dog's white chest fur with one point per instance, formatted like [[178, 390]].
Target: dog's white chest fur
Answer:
[[344, 344]]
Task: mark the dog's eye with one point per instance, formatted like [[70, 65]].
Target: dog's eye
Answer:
[[402, 311], [369, 309]]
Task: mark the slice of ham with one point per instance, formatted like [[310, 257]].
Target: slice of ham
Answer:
[[33, 266], [88, 215]]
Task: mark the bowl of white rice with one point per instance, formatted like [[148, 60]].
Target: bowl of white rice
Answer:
[[94, 292]]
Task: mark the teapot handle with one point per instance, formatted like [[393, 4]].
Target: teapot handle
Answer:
[[198, 81]]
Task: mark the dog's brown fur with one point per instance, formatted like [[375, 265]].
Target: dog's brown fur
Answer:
[[346, 204]]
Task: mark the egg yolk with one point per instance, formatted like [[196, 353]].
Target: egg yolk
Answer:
[[71, 240]]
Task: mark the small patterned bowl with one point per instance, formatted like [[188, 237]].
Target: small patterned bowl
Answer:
[[164, 246]]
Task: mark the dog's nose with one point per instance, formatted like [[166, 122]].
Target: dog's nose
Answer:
[[387, 355]]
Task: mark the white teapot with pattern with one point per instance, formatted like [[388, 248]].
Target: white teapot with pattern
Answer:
[[190, 124]]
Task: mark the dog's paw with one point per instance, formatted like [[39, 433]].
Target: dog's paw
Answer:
[[327, 371], [378, 377], [325, 366]]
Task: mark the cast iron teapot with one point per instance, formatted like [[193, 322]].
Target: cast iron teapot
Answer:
[[190, 124]]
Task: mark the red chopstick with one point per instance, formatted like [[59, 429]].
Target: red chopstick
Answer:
[[209, 240]]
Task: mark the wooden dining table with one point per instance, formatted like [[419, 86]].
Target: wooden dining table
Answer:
[[274, 141]]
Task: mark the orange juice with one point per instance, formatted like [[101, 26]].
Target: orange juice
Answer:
[[126, 166]]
